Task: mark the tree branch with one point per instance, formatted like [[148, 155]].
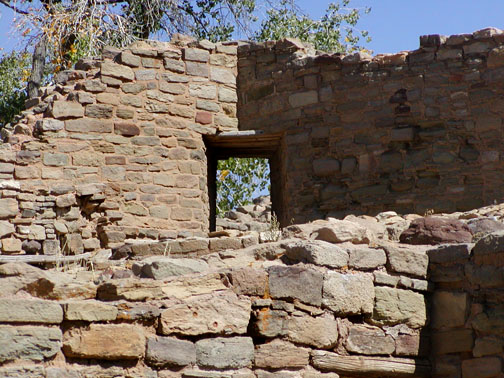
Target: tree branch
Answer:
[[13, 7]]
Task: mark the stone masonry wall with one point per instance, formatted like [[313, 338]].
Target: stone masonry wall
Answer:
[[115, 150], [410, 131]]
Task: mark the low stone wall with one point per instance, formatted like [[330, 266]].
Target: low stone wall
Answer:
[[330, 298]]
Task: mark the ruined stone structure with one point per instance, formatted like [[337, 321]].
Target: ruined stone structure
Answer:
[[116, 164]]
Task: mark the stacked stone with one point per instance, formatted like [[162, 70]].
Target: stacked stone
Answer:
[[408, 132], [467, 308], [315, 304], [252, 217], [115, 150]]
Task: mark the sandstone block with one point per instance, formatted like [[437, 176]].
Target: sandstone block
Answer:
[[449, 253], [227, 95], [197, 55], [6, 228], [8, 208], [484, 346], [348, 294], [296, 282], [89, 125], [222, 75], [117, 71], [131, 290], [11, 245], [325, 167], [99, 111], [221, 244], [320, 332], [89, 311], [197, 69], [163, 267], [453, 341], [369, 340], [271, 323], [30, 311], [394, 306], [279, 354], [317, 252], [174, 65], [407, 259], [449, 309], [436, 230], [105, 342], [482, 367], [297, 100], [129, 59], [170, 351], [50, 124], [220, 313], [29, 343], [225, 353], [363, 257], [67, 109], [249, 281], [340, 231]]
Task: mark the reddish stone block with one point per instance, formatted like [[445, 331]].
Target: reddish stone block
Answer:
[[204, 118], [126, 129]]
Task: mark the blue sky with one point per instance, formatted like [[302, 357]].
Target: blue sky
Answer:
[[394, 25]]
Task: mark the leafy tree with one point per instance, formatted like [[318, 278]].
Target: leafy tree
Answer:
[[335, 31], [14, 70], [239, 180]]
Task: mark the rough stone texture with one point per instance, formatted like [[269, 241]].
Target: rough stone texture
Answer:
[[222, 353], [29, 343], [216, 314], [436, 230], [163, 267], [105, 342], [393, 306], [296, 282], [249, 281], [449, 309], [481, 367], [279, 354], [169, 351], [317, 252], [406, 259], [342, 231], [369, 340], [89, 311], [363, 257], [29, 311], [320, 332], [348, 294]]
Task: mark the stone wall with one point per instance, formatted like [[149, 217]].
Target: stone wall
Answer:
[[331, 298], [115, 150], [410, 131]]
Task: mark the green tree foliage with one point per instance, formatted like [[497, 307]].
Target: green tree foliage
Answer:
[[334, 31], [13, 74], [239, 180]]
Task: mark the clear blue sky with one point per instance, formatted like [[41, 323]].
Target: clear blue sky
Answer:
[[394, 25]]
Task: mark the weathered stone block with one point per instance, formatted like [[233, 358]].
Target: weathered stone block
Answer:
[[89, 125], [303, 99], [105, 342], [449, 309], [117, 71], [453, 341], [407, 259], [363, 257], [99, 111], [340, 231], [349, 294], [164, 267], [6, 228], [320, 332], [8, 208], [170, 351], [225, 353], [89, 311], [296, 283], [29, 343], [66, 109], [249, 281], [317, 252], [279, 354], [482, 367], [30, 311], [369, 340], [325, 167], [197, 55], [11, 245], [220, 313], [394, 306], [222, 75]]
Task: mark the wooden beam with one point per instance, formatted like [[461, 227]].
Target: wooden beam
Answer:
[[365, 366], [43, 258]]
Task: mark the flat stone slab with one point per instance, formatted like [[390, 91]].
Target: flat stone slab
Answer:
[[29, 343], [30, 311]]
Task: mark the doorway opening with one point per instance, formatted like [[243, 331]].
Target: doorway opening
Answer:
[[245, 148]]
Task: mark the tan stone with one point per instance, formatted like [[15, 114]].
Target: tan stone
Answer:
[[280, 354], [90, 311], [105, 342], [320, 332]]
